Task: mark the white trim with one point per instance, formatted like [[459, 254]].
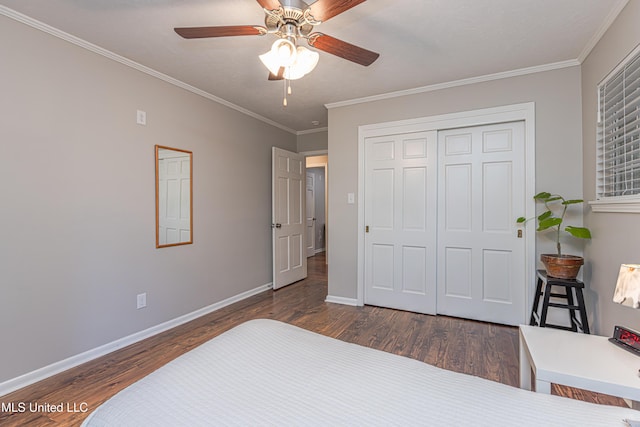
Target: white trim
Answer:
[[32, 377], [319, 251], [316, 130], [10, 13], [456, 83], [616, 205], [613, 14], [508, 113], [342, 300], [324, 165]]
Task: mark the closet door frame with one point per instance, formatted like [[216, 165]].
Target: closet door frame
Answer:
[[510, 113]]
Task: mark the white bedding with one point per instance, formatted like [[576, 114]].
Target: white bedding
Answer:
[[265, 372]]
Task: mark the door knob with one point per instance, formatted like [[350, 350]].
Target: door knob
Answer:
[[278, 225]]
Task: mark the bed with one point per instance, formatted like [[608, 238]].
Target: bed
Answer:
[[268, 373]]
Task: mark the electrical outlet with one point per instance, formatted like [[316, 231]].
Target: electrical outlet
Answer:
[[141, 117], [141, 301]]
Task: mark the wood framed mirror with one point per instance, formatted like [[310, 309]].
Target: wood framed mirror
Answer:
[[174, 197]]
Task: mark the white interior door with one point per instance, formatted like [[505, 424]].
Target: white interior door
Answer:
[[310, 215], [288, 205], [400, 218], [174, 197], [481, 188]]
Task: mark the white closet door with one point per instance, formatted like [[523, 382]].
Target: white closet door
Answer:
[[481, 191], [400, 213]]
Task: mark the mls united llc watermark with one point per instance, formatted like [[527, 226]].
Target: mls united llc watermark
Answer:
[[21, 407]]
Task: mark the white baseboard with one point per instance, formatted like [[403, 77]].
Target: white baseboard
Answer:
[[341, 300], [317, 251], [32, 377]]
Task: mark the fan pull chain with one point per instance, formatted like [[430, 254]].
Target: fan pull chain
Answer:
[[287, 91], [284, 101]]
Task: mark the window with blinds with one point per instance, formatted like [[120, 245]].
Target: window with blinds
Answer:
[[618, 138]]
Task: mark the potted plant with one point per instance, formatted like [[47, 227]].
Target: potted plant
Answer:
[[559, 264]]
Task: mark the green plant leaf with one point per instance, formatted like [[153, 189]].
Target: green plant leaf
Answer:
[[521, 220], [542, 196], [545, 215], [581, 232], [548, 223], [572, 201], [553, 198]]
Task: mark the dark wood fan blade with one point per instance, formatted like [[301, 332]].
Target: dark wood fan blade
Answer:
[[222, 31], [279, 76], [270, 4], [342, 49], [323, 10]]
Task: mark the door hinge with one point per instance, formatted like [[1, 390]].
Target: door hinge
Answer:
[[366, 228], [520, 234]]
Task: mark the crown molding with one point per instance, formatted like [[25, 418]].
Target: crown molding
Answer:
[[613, 14], [34, 23], [457, 83], [608, 21], [308, 131], [610, 18]]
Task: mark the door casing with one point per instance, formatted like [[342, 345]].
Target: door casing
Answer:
[[310, 216]]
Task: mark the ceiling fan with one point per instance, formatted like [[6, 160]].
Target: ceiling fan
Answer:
[[291, 20]]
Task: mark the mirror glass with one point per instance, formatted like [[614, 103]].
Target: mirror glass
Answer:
[[174, 197]]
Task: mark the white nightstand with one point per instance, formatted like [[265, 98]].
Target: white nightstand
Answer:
[[589, 362]]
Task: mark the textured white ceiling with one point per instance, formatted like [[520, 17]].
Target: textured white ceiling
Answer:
[[421, 43]]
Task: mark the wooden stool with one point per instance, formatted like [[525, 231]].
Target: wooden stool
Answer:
[[570, 286]]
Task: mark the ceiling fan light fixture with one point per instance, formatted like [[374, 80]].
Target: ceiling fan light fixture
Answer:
[[283, 53], [270, 60], [291, 20], [286, 52], [306, 61]]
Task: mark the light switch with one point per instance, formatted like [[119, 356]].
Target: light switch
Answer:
[[351, 198], [141, 117]]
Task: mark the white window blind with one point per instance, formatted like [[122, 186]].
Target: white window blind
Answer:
[[618, 138]]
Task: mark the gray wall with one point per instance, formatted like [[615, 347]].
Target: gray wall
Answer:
[[313, 141], [558, 148], [615, 235], [78, 240]]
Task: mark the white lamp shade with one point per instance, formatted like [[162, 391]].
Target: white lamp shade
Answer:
[[270, 60], [628, 286], [285, 51], [304, 62]]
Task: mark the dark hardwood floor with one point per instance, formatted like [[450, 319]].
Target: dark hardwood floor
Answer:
[[483, 349]]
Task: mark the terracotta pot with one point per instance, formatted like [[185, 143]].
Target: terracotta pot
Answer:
[[563, 266]]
